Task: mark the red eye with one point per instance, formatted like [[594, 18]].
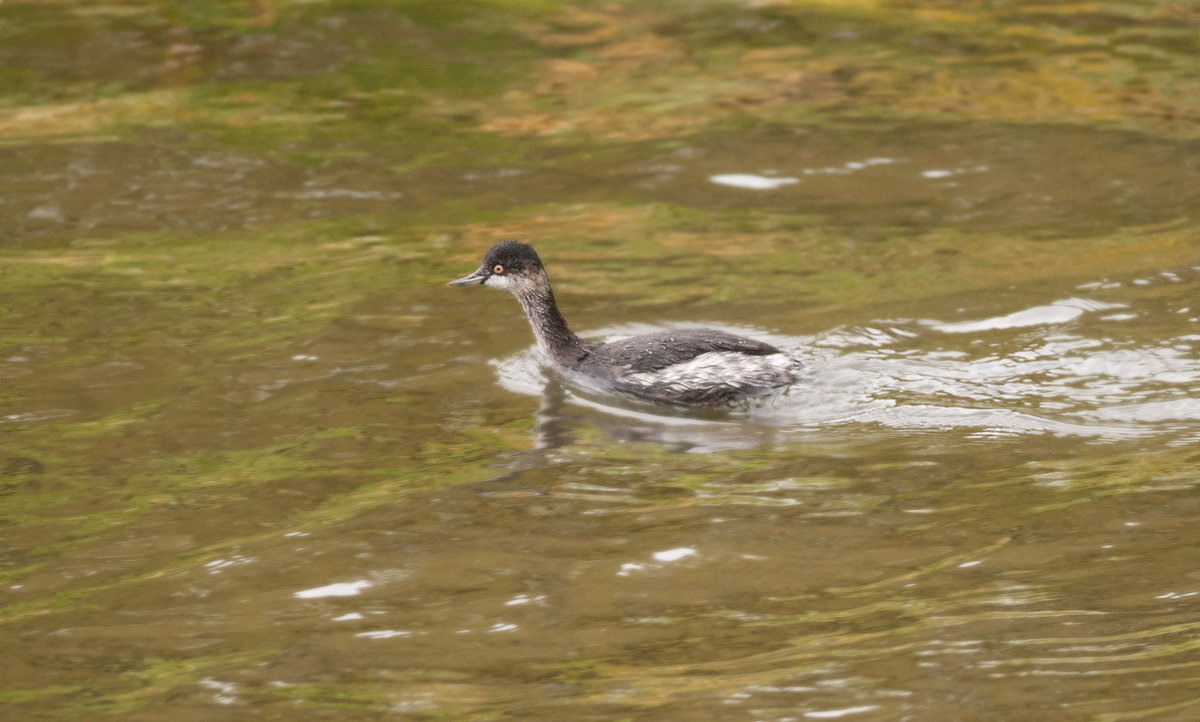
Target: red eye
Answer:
[[498, 268]]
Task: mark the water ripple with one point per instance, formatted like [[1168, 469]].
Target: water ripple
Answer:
[[1070, 367]]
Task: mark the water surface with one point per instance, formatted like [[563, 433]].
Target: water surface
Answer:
[[259, 461]]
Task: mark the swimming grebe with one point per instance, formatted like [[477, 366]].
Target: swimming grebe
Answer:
[[684, 367]]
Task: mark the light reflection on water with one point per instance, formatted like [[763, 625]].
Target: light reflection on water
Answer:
[[230, 493], [1080, 366]]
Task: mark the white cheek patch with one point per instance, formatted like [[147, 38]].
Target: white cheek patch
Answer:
[[502, 282]]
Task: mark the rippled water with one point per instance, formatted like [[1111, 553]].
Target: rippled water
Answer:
[[973, 501], [1118, 361], [260, 462]]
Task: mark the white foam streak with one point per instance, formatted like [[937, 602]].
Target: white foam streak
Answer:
[[340, 589], [751, 181]]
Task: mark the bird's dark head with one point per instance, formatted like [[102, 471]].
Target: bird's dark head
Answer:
[[509, 265]]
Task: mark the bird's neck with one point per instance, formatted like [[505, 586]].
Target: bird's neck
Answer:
[[554, 337]]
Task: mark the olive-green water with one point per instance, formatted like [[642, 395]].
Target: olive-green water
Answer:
[[259, 462]]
